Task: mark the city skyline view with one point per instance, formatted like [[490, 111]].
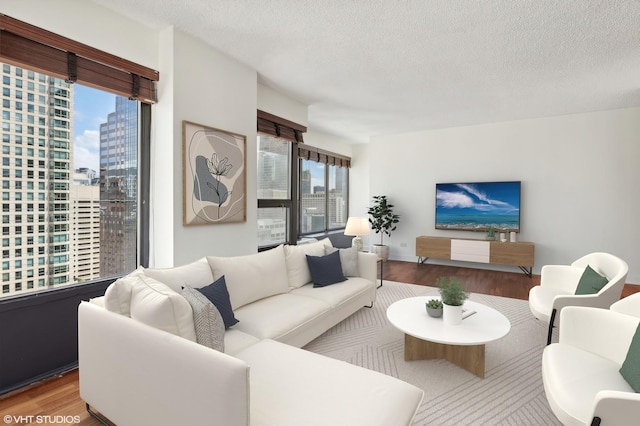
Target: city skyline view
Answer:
[[60, 227]]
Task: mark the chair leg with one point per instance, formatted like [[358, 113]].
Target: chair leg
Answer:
[[551, 321]]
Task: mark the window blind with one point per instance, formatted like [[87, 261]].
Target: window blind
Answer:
[[307, 152], [22, 44], [279, 127]]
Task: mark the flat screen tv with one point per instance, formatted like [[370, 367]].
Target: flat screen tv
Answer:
[[477, 206]]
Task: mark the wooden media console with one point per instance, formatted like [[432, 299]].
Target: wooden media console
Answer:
[[520, 254]]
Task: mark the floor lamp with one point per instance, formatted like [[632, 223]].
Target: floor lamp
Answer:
[[357, 227]]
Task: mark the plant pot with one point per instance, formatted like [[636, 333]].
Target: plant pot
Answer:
[[451, 315], [434, 312], [381, 251]]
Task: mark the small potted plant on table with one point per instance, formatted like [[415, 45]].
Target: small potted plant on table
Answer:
[[453, 296], [434, 308]]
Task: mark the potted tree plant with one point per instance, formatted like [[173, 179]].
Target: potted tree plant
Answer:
[[453, 296], [383, 221]]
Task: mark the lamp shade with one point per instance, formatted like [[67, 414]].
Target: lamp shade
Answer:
[[357, 226]]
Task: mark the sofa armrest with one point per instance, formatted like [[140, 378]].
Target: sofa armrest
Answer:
[[367, 266], [134, 374], [617, 408], [599, 331]]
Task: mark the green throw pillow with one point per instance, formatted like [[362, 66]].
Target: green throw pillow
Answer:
[[591, 282], [630, 369]]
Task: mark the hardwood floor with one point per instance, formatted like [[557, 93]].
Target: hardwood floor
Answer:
[[497, 283], [60, 396]]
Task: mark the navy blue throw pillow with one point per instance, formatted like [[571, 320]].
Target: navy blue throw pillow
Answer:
[[218, 294], [325, 270]]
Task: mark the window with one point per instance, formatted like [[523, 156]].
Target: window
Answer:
[[113, 220], [323, 188], [319, 200], [277, 179], [274, 190]]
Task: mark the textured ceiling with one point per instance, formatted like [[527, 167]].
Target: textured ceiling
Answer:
[[373, 67]]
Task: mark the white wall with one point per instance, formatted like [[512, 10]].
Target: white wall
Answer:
[[579, 173], [210, 89], [278, 104]]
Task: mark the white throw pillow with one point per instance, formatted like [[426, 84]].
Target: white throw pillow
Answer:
[[155, 304], [117, 297], [296, 258], [253, 277], [348, 260], [195, 274]]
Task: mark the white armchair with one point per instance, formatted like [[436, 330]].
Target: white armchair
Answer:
[[558, 285], [630, 305], [581, 374]]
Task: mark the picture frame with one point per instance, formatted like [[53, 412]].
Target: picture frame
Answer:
[[214, 175]]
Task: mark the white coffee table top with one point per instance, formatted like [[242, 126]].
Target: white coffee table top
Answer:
[[410, 316]]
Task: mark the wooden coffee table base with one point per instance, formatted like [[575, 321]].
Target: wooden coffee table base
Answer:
[[471, 357]]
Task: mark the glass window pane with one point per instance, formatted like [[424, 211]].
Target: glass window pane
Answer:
[[312, 197], [272, 226], [273, 168], [86, 171], [337, 197]]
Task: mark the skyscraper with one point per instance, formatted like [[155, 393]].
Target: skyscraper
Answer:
[[119, 189], [85, 226], [37, 112]]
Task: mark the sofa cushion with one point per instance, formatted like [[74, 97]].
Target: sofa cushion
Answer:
[[252, 277], [217, 294], [297, 267], [315, 389], [325, 270], [590, 282], [336, 294], [630, 368], [236, 340], [348, 260], [195, 274], [279, 316], [155, 304], [117, 297], [207, 321]]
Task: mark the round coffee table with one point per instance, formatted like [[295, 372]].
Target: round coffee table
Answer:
[[430, 338]]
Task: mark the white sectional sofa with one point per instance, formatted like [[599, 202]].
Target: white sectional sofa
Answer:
[[140, 361]]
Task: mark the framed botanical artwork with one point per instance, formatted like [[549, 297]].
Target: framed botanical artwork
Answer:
[[214, 175]]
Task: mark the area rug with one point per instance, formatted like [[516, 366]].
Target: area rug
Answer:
[[510, 394]]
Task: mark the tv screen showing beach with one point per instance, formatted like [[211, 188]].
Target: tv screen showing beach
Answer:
[[478, 206]]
